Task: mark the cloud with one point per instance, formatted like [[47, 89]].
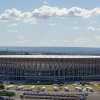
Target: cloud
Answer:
[[52, 24], [47, 11], [97, 38], [30, 20], [17, 15], [12, 30], [98, 29], [10, 14], [91, 28], [22, 39], [76, 28], [73, 40], [12, 25]]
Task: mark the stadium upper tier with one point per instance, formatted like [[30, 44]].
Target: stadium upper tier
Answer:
[[48, 56]]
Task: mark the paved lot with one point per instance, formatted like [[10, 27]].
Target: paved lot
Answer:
[[94, 96]]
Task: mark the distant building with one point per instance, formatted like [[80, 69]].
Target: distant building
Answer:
[[49, 68]]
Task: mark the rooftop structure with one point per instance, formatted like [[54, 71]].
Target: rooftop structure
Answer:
[[49, 56]]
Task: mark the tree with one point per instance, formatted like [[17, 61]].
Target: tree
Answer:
[[2, 86]]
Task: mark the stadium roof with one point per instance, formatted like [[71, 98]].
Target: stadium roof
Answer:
[[49, 56]]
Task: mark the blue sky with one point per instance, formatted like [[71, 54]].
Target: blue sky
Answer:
[[50, 23]]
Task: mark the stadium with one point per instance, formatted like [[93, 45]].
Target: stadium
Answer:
[[49, 68]]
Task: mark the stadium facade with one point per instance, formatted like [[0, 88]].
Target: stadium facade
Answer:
[[49, 68]]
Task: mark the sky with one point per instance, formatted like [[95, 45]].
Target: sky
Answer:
[[66, 23]]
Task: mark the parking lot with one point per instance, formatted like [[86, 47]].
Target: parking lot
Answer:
[[92, 89]]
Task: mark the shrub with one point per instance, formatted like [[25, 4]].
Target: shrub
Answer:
[[2, 86]]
